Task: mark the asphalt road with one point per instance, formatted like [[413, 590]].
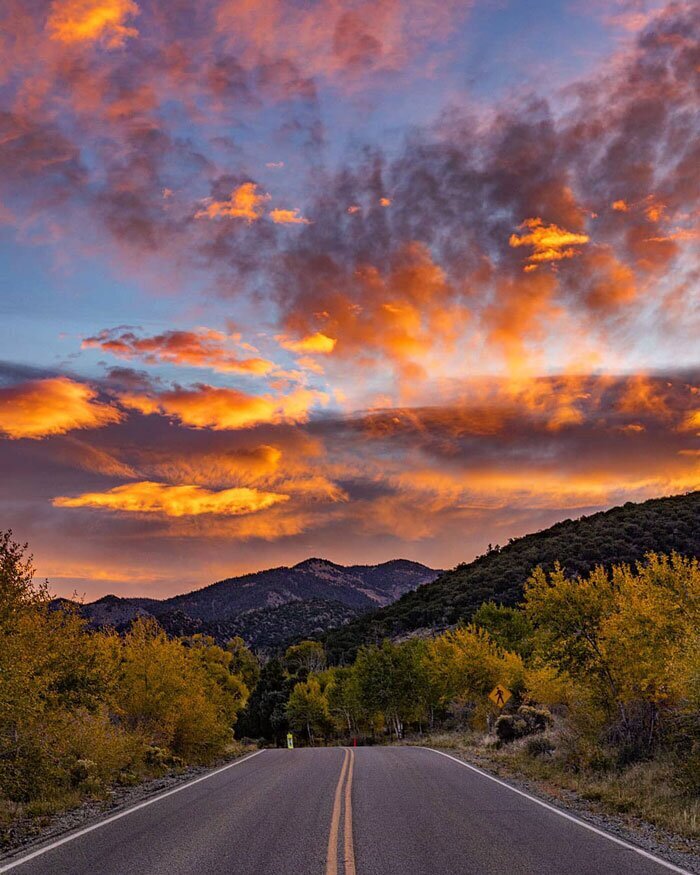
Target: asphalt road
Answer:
[[335, 811]]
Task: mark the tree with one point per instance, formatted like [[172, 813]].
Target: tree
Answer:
[[393, 680], [265, 716], [468, 664], [179, 697], [307, 709], [624, 637], [55, 679], [223, 673], [567, 614], [301, 660], [243, 662], [345, 702], [508, 627]]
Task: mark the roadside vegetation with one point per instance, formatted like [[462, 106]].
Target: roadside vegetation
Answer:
[[81, 711], [603, 672]]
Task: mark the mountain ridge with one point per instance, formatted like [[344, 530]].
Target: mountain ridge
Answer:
[[270, 606]]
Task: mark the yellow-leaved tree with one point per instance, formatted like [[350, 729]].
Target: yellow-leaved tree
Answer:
[[627, 640]]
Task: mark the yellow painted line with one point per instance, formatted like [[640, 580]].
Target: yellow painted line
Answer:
[[332, 855], [349, 843]]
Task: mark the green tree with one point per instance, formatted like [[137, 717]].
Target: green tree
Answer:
[[265, 715], [345, 702], [508, 627], [244, 662], [393, 680], [307, 710], [301, 660]]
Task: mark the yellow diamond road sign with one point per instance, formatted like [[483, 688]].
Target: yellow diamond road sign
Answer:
[[499, 695]]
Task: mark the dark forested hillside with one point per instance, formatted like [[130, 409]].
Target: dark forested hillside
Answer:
[[621, 535], [270, 608], [268, 630]]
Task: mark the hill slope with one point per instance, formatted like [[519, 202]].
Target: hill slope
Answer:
[[623, 534], [270, 607]]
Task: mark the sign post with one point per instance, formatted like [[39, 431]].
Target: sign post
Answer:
[[499, 695]]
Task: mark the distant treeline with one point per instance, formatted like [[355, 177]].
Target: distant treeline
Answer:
[[82, 710]]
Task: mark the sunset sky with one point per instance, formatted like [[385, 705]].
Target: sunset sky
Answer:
[[359, 279]]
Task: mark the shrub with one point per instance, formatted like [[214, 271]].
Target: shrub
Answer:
[[525, 721], [538, 746]]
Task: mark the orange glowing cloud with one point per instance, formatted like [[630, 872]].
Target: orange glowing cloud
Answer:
[[655, 209], [87, 21], [52, 406], [681, 234], [643, 395], [202, 348], [620, 206], [258, 466], [161, 498], [561, 403], [403, 311], [548, 242], [223, 409], [299, 468], [288, 217], [312, 344], [244, 203], [540, 486], [692, 422], [522, 312]]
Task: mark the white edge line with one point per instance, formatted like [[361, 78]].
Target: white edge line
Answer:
[[561, 813], [120, 814]]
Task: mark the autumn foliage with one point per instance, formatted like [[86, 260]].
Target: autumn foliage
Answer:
[[81, 710]]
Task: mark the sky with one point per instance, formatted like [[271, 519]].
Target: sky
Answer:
[[351, 279]]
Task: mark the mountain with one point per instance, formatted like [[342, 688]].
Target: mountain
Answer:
[[269, 608], [622, 534]]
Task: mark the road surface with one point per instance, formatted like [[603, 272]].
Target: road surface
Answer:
[[337, 811]]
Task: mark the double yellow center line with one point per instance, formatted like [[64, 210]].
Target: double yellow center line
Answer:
[[342, 796]]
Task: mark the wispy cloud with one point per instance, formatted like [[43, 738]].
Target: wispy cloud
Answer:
[[201, 348]]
